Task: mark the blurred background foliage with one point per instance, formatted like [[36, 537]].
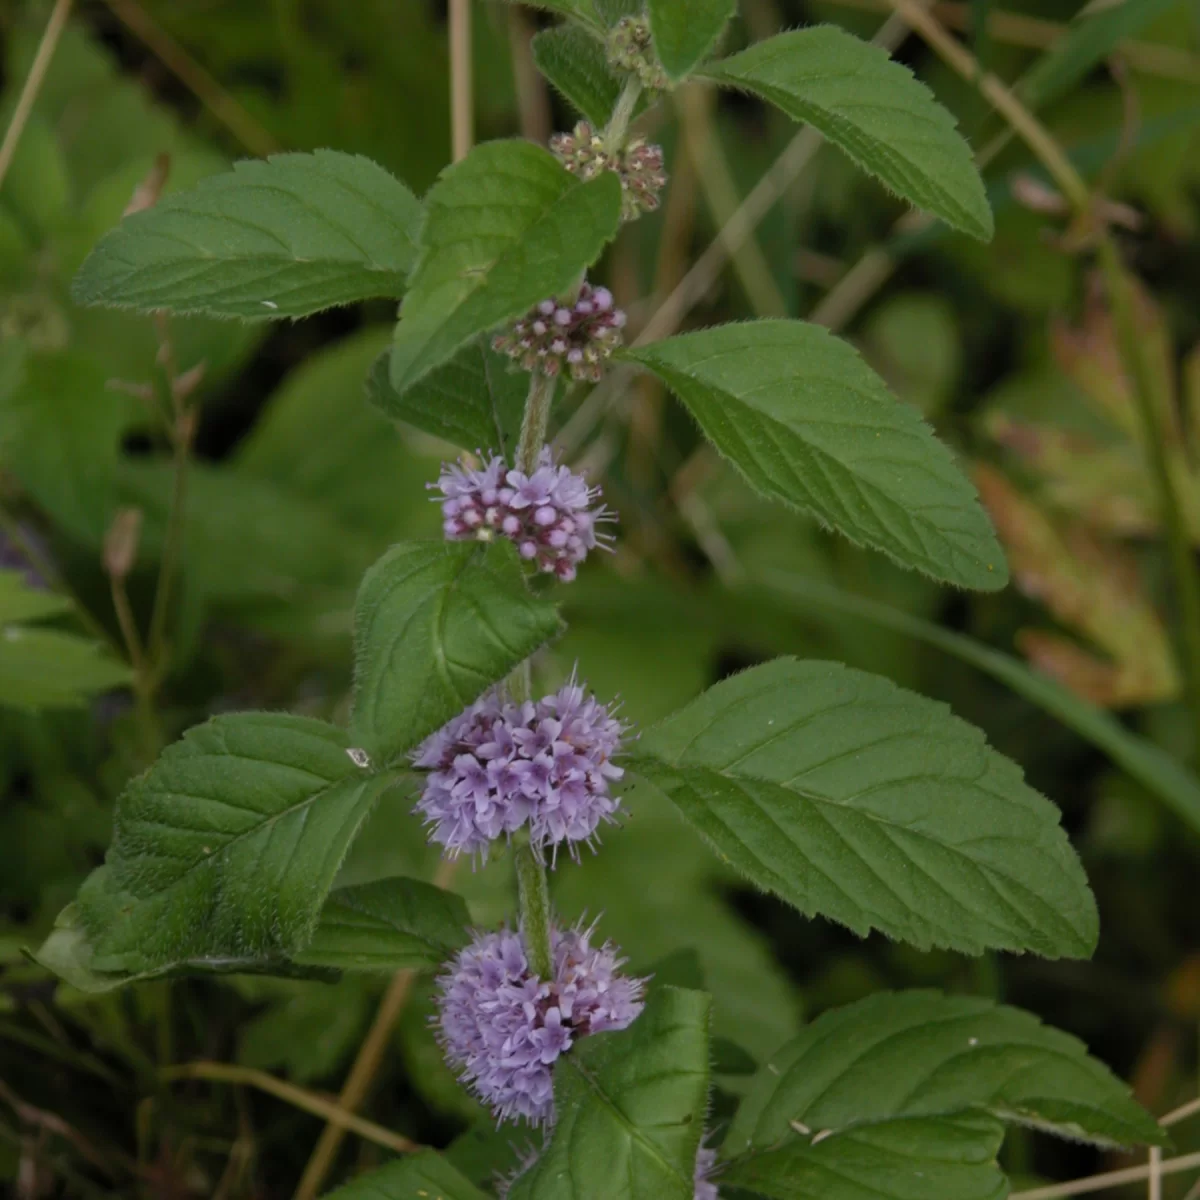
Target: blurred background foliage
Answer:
[[296, 486]]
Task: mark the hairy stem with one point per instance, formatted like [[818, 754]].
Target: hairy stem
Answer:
[[622, 114], [535, 421], [1183, 564], [533, 893]]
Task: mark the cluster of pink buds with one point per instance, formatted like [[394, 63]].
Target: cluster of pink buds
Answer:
[[631, 48], [557, 336], [638, 164]]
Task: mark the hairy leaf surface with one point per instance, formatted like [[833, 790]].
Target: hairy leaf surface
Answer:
[[925, 1158], [422, 1175], [885, 119], [850, 797], [474, 401], [386, 925], [806, 421], [504, 228], [575, 63], [922, 1054], [630, 1109], [283, 237], [223, 852], [435, 626], [685, 31]]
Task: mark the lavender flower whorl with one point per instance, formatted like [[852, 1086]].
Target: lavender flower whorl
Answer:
[[550, 515], [501, 765], [563, 336], [502, 1028]]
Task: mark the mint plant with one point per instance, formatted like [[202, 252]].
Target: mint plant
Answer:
[[836, 791]]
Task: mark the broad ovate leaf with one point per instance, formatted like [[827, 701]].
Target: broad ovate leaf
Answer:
[[926, 1158], [435, 625], [413, 1178], [504, 228], [806, 421], [852, 798], [685, 31], [387, 925], [629, 1109], [922, 1054], [224, 851], [475, 401], [875, 110], [283, 237]]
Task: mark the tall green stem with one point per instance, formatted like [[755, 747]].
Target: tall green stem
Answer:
[[1183, 565], [534, 896], [535, 422], [532, 889], [622, 114]]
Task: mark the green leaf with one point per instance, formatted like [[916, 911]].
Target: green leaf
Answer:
[[850, 797], [1088, 40], [875, 110], [806, 421], [504, 228], [685, 31], [923, 1054], [387, 925], [630, 1109], [435, 625], [283, 237], [20, 602], [930, 1158], [474, 401], [1157, 771], [43, 668], [421, 1175], [575, 63], [223, 852]]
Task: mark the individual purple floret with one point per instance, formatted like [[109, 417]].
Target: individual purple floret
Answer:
[[502, 1028], [501, 765], [558, 336], [706, 1161], [551, 515]]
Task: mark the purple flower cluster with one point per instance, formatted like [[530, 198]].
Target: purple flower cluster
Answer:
[[639, 165], [556, 335], [501, 765], [503, 1028], [550, 515]]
